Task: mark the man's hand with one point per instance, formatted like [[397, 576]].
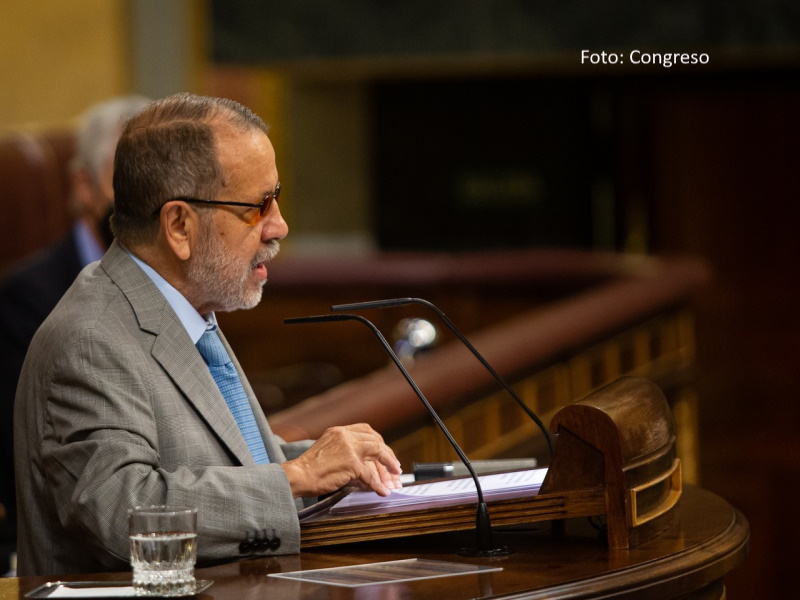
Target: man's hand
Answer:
[[342, 456]]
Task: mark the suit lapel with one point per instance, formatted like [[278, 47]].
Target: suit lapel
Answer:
[[174, 351]]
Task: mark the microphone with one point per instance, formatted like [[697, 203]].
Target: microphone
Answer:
[[460, 336], [483, 526]]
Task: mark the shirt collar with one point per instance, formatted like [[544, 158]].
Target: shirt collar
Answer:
[[194, 323]]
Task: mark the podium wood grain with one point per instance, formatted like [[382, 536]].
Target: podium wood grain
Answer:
[[687, 561]]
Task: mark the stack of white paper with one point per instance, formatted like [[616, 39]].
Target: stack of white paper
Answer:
[[497, 486]]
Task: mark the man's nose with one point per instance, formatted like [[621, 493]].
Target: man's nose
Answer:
[[274, 226]]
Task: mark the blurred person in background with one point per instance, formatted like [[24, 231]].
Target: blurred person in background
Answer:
[[32, 287]]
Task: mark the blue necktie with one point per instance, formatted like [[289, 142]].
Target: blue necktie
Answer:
[[224, 373]]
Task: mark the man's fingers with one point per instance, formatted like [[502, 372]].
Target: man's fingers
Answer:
[[371, 476], [389, 479], [342, 454], [372, 446]]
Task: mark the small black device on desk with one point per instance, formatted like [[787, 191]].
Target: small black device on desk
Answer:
[[424, 471]]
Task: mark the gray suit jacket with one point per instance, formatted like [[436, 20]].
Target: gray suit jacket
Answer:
[[116, 408]]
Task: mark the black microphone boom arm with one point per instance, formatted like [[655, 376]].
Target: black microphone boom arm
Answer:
[[464, 340], [483, 524]]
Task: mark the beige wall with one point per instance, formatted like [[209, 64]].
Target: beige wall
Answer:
[[320, 133], [59, 56]]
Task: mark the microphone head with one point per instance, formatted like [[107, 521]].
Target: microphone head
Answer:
[[414, 336]]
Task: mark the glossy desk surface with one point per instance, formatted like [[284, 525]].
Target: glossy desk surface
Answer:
[[689, 561]]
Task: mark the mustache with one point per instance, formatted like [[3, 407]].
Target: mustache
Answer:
[[267, 253]]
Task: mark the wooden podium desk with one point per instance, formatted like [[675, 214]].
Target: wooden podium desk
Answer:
[[689, 560]]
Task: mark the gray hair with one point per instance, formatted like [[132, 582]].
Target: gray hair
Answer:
[[99, 130], [167, 151]]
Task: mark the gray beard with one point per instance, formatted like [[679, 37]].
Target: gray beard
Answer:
[[222, 279]]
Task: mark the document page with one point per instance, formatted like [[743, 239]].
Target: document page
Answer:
[[395, 571], [496, 486]]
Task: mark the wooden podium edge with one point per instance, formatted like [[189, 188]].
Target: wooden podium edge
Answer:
[[720, 555], [615, 456], [341, 529]]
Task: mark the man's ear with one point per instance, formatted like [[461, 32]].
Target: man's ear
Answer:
[[181, 226]]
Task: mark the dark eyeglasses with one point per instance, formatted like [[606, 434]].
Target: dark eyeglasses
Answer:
[[263, 207]]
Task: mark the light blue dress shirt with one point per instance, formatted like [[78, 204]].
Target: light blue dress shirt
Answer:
[[89, 250]]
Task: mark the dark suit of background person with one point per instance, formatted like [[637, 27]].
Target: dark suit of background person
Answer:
[[30, 289], [116, 406]]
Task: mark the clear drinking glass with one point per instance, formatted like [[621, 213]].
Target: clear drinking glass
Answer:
[[163, 550]]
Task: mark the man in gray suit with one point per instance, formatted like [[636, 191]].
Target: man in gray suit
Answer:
[[117, 407]]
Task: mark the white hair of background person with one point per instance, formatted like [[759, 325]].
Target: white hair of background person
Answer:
[[99, 130]]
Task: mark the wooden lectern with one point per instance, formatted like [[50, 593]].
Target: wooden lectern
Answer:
[[615, 456]]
